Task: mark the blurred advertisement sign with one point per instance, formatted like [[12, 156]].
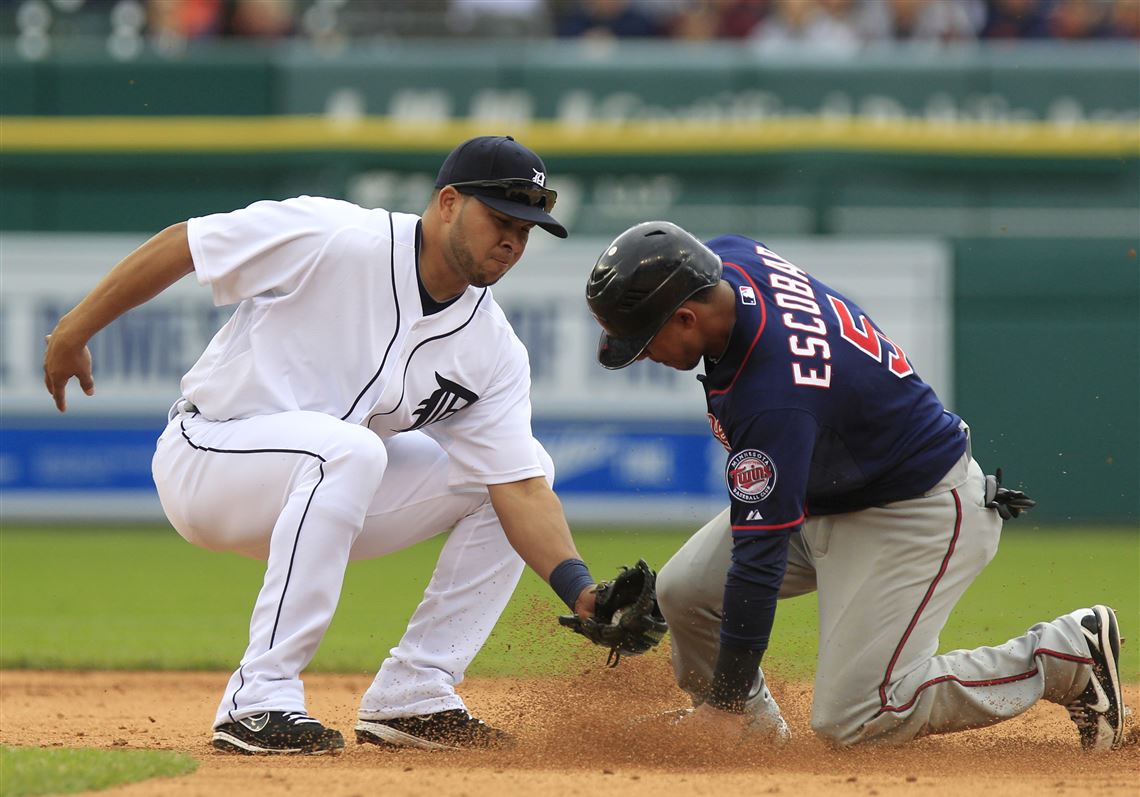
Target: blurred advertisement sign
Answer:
[[627, 444]]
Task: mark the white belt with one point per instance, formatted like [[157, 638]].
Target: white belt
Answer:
[[181, 407]]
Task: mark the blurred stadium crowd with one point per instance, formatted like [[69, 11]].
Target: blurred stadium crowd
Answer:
[[829, 26]]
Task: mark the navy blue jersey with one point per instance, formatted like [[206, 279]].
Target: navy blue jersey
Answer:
[[821, 413]]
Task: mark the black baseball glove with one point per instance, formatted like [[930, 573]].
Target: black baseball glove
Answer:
[[1008, 503], [626, 618]]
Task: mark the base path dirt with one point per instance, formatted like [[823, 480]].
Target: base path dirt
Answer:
[[577, 734]]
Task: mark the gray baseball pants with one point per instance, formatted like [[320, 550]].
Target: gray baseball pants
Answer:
[[886, 580]]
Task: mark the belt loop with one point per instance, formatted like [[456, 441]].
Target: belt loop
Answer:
[[180, 407]]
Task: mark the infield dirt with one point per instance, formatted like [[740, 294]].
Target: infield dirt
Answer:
[[577, 734]]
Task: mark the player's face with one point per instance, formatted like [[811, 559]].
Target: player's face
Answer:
[[677, 345], [484, 244]]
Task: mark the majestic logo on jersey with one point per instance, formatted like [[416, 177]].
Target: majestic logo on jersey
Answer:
[[443, 403], [751, 476], [747, 295], [718, 432], [539, 177], [753, 514]]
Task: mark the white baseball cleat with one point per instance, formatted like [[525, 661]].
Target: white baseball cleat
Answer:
[[765, 717]]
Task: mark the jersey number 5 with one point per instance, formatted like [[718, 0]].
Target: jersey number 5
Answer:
[[861, 334]]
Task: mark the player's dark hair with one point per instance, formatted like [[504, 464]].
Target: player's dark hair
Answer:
[[704, 295]]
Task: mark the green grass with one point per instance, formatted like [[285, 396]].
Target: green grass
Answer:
[[40, 770], [95, 598]]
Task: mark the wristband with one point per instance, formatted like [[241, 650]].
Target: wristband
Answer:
[[569, 578]]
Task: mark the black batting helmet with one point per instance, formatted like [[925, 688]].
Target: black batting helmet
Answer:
[[642, 277]]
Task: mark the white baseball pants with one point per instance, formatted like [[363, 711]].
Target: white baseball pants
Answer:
[[886, 579], [306, 493]]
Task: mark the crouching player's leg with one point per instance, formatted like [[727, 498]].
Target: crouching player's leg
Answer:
[[888, 580]]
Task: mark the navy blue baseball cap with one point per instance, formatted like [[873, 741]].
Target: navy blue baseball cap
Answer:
[[504, 175]]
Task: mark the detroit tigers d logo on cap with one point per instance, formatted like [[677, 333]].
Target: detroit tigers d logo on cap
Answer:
[[751, 476]]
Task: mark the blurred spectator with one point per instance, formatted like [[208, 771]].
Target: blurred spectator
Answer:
[[199, 19], [265, 19], [843, 13], [1017, 19], [619, 19], [717, 19], [497, 18], [1080, 19], [1124, 21], [920, 20], [823, 27], [185, 19], [799, 25]]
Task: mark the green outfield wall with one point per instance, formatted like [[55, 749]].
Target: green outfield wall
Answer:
[[1047, 368], [977, 142], [1025, 159]]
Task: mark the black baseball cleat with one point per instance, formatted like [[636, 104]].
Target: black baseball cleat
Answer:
[[1099, 710], [444, 730], [278, 732]]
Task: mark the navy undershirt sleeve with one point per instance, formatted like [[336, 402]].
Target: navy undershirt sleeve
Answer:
[[750, 594], [767, 479]]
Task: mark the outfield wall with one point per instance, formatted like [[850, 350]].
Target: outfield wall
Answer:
[[1035, 343], [629, 444], [975, 141], [982, 202]]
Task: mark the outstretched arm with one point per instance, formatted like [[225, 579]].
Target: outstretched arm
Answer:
[[532, 518], [139, 277]]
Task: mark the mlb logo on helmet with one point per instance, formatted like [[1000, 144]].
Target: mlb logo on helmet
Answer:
[[751, 476]]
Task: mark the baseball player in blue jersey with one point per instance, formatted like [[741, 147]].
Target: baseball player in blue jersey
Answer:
[[847, 476]]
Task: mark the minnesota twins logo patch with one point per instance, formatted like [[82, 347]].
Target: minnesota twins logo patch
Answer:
[[751, 476]]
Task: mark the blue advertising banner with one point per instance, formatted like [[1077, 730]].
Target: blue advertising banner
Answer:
[[608, 472], [629, 445], [42, 459]]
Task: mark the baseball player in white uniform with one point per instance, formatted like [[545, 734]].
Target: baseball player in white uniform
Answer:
[[367, 393]]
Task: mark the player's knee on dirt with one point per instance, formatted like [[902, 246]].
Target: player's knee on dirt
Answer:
[[831, 730], [842, 719]]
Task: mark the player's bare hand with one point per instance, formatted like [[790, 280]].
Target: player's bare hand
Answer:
[[62, 361], [709, 722], [587, 600]]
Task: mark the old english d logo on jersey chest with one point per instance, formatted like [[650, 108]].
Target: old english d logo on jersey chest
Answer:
[[751, 476], [443, 403]]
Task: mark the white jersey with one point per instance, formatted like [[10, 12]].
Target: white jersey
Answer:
[[329, 320]]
